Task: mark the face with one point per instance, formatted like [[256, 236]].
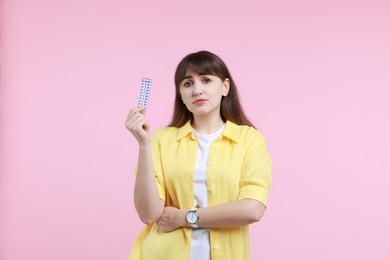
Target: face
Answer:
[[202, 94]]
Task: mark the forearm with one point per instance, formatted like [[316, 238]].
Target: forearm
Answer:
[[146, 198], [234, 214]]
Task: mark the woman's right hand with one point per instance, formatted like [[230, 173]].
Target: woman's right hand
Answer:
[[137, 124]]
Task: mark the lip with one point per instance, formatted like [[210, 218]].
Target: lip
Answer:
[[199, 101]]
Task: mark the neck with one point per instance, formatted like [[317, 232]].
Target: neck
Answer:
[[206, 125]]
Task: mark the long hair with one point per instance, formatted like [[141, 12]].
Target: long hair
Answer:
[[207, 63]]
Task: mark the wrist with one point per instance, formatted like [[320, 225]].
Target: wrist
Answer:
[[182, 216], [145, 145], [192, 217]]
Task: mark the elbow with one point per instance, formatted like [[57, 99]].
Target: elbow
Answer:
[[256, 217], [256, 211], [148, 220], [149, 217]]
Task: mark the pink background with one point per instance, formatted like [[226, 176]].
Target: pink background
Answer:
[[314, 76]]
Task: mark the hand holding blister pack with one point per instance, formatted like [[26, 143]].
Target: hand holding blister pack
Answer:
[[136, 120], [144, 93]]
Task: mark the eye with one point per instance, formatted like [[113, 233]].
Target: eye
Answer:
[[187, 83], [206, 80]]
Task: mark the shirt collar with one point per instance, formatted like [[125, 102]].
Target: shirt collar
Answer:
[[231, 131], [185, 130]]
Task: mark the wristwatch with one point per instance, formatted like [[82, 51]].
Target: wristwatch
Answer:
[[192, 217]]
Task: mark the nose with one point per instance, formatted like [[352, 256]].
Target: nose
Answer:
[[197, 90]]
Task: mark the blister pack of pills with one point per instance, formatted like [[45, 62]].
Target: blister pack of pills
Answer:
[[144, 93]]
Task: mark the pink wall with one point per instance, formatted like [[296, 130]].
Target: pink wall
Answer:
[[313, 76]]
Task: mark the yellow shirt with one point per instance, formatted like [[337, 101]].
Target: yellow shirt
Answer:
[[239, 167]]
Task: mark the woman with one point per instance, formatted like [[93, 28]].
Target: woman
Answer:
[[203, 179]]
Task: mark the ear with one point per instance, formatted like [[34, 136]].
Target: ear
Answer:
[[226, 87]]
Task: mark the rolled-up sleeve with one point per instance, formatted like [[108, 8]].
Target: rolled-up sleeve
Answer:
[[157, 168], [256, 177]]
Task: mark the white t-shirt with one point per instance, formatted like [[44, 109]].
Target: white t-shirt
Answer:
[[200, 241]]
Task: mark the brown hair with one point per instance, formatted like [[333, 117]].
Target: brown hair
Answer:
[[207, 63]]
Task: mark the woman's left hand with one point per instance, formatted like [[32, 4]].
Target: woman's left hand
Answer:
[[171, 219]]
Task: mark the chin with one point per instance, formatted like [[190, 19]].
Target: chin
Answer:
[[200, 111]]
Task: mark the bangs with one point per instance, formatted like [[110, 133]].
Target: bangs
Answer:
[[200, 63]]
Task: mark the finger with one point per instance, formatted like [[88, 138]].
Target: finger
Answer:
[[143, 111], [133, 118], [134, 124], [143, 124], [132, 121], [137, 124], [134, 111], [160, 226]]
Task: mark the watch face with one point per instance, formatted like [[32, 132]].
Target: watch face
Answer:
[[191, 217]]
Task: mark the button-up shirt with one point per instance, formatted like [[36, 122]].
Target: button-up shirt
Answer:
[[239, 167]]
